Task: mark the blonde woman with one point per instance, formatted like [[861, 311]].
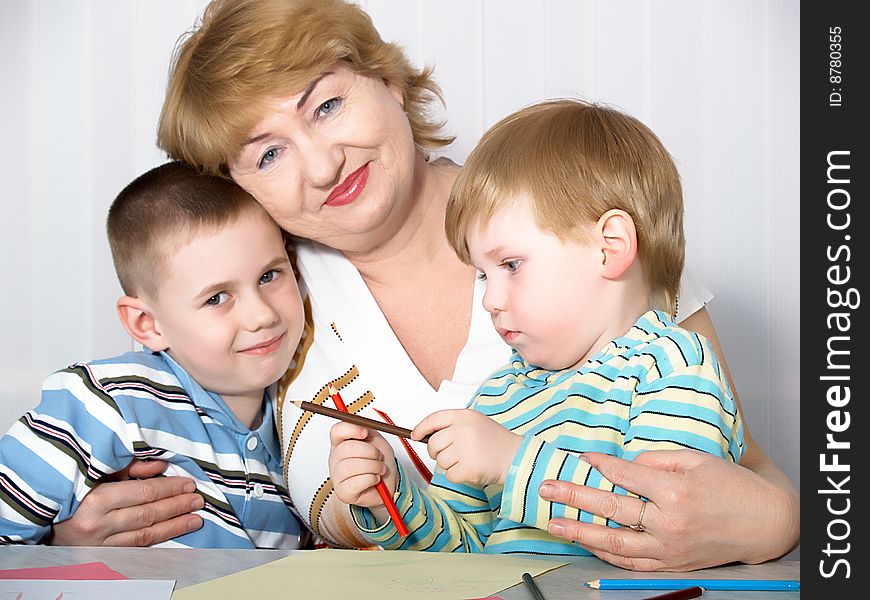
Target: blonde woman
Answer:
[[304, 105]]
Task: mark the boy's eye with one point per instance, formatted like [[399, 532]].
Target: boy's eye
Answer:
[[268, 276], [511, 265], [217, 299], [329, 107]]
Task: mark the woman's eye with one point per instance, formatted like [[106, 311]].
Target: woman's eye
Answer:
[[268, 276], [269, 156], [217, 299], [329, 107]]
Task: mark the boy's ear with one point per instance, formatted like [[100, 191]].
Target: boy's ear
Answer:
[[618, 238], [138, 319]]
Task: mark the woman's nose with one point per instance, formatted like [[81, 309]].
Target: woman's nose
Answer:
[[322, 161]]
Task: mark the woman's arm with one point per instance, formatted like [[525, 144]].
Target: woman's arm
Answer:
[[703, 511], [128, 512], [754, 458]]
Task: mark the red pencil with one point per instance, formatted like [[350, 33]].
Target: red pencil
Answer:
[[684, 594], [381, 487]]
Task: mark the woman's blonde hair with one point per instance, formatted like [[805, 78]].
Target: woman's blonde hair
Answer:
[[575, 161], [248, 51]]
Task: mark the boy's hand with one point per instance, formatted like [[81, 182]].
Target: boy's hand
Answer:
[[469, 446], [358, 460]]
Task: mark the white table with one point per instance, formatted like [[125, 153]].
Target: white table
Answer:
[[189, 567]]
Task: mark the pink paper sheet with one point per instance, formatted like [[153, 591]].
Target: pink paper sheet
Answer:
[[83, 571]]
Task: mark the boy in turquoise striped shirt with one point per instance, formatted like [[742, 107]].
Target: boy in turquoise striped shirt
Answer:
[[573, 215]]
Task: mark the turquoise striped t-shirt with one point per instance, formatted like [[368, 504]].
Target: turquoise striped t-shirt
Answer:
[[656, 387]]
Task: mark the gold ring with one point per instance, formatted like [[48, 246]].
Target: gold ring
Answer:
[[639, 525]]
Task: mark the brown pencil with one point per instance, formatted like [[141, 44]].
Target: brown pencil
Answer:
[[685, 594], [356, 419]]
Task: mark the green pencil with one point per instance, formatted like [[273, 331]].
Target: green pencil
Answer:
[[533, 587]]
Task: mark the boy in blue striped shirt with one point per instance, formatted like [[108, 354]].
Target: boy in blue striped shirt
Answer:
[[211, 295], [573, 215]]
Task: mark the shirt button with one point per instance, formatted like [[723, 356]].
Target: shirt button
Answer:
[[252, 443], [258, 490]]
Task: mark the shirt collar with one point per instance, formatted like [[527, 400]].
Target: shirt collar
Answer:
[[267, 431], [529, 374], [533, 376], [215, 407]]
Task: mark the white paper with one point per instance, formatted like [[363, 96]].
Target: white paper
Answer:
[[56, 589]]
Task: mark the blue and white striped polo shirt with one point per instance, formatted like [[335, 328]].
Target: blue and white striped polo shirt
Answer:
[[94, 418]]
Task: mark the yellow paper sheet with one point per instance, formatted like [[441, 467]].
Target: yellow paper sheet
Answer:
[[372, 574]]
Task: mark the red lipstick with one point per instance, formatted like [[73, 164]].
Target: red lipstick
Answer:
[[348, 190]]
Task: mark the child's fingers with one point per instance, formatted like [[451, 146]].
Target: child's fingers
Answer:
[[353, 477], [434, 422], [438, 443], [342, 431], [359, 490], [356, 449], [353, 466], [448, 458], [350, 450], [378, 441], [458, 469]]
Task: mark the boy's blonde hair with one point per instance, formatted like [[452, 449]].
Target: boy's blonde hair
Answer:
[[246, 52], [576, 161], [162, 210]]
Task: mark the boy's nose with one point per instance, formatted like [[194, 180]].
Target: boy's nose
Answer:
[[260, 314], [494, 299]]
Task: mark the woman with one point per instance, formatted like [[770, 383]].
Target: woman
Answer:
[[304, 106]]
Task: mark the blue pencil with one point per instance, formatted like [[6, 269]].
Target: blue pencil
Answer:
[[767, 585]]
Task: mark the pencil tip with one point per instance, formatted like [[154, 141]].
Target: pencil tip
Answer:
[[331, 389]]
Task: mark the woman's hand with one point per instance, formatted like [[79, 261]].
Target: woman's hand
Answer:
[[129, 512], [703, 511], [469, 446]]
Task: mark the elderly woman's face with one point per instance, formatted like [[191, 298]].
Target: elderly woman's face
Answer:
[[334, 162]]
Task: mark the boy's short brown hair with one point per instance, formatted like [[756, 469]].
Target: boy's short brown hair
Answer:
[[160, 211], [246, 52], [576, 161]]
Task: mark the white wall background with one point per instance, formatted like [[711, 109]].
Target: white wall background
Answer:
[[81, 85]]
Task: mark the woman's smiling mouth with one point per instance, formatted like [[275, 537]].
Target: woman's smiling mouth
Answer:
[[348, 190]]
